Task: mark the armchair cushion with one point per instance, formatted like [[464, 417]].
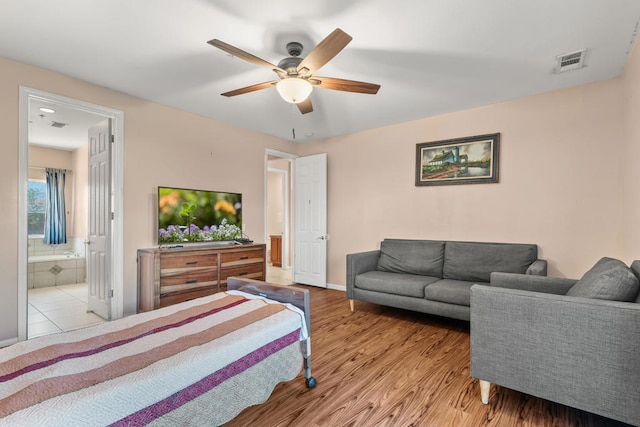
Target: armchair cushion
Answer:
[[609, 279], [526, 282], [423, 257]]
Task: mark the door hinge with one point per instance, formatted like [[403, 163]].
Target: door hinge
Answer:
[[110, 293], [112, 215], [113, 138]]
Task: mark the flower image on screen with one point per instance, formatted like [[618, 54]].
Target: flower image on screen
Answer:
[[186, 215]]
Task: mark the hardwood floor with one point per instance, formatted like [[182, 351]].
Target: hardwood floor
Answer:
[[387, 367]]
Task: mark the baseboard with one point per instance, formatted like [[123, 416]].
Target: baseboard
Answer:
[[342, 288], [7, 343]]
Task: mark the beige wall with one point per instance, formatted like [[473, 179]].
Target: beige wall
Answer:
[[560, 181], [42, 157], [275, 214], [162, 146], [80, 177], [9, 207], [274, 203], [631, 150]]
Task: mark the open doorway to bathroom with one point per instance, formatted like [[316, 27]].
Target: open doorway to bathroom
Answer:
[[57, 289], [278, 217], [113, 273]]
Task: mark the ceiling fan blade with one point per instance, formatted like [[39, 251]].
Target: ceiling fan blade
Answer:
[[324, 51], [305, 106], [239, 53], [344, 85], [248, 89]]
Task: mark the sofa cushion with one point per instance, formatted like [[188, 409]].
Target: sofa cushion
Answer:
[[635, 267], [608, 279], [409, 285], [411, 256], [450, 291], [475, 261]]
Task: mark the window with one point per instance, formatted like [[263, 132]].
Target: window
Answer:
[[36, 205]]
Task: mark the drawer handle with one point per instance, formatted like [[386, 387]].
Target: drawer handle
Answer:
[[243, 274], [244, 257], [192, 262], [191, 281]]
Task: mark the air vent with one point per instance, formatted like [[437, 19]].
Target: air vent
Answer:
[[59, 125], [570, 61]]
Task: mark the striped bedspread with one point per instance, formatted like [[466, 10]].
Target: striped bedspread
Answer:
[[196, 363]]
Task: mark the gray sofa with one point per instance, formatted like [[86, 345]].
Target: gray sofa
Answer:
[[433, 276], [575, 342]]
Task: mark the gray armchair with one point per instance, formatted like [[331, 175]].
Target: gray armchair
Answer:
[[540, 336]]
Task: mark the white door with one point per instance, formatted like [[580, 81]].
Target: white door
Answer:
[[310, 220], [99, 246]]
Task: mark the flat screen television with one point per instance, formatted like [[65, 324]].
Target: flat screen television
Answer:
[[187, 215]]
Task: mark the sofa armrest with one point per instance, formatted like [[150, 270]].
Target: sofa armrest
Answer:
[[575, 351], [526, 282], [357, 264], [538, 268]]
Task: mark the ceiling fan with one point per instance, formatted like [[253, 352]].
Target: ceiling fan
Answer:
[[297, 75]]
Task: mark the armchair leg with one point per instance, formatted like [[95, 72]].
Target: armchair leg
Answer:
[[352, 305], [485, 388]]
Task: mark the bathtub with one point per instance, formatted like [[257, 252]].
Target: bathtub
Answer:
[[45, 258], [53, 270]]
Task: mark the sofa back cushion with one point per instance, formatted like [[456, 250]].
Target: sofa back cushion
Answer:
[[422, 257], [608, 279], [635, 267], [475, 261]]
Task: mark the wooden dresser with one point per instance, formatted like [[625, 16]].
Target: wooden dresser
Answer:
[[170, 276]]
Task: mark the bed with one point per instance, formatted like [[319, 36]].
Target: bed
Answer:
[[200, 362]]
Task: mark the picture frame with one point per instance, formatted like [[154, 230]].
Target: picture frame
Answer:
[[469, 160]]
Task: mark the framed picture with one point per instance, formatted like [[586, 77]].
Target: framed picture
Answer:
[[470, 160]]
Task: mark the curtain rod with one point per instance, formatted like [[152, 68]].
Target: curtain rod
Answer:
[[44, 168]]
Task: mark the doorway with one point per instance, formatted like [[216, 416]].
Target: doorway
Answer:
[[30, 98], [278, 166], [304, 233]]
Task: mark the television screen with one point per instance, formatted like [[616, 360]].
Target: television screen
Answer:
[[186, 215]]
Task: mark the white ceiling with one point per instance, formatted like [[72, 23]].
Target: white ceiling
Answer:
[[429, 56], [68, 137]]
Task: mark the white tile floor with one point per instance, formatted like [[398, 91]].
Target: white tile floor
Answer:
[[278, 275], [59, 309]]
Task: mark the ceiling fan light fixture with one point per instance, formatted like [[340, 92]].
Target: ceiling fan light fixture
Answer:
[[294, 90]]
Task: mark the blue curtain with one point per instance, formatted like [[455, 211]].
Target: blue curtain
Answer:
[[55, 226]]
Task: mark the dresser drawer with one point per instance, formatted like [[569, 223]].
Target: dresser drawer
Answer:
[[176, 297], [178, 261], [241, 257], [205, 276], [249, 271]]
